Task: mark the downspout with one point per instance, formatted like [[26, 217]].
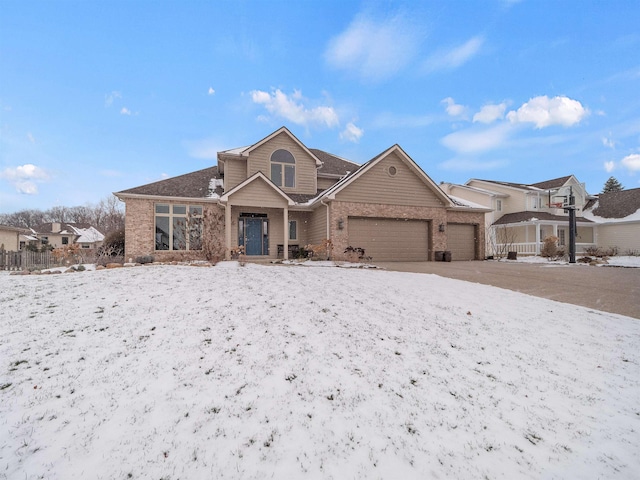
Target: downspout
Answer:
[[328, 224]]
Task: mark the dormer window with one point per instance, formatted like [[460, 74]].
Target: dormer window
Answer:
[[283, 169]]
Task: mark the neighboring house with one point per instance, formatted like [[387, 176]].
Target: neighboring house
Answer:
[[523, 215], [60, 234], [617, 215], [277, 196], [10, 238]]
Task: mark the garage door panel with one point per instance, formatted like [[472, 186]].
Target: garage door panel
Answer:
[[461, 241], [387, 239]]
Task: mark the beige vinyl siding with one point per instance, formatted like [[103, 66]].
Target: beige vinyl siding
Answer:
[[235, 172], [585, 234], [259, 161], [258, 193], [9, 240], [380, 238], [325, 183], [625, 236], [318, 225], [304, 224], [476, 197], [378, 187], [461, 241], [515, 202]]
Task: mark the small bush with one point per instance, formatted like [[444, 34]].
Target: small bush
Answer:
[[550, 247], [145, 259], [633, 253], [113, 244]]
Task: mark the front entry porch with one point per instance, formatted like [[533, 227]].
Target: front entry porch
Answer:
[[527, 238]]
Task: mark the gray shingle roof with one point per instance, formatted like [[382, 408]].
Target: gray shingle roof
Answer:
[[555, 183], [545, 185], [64, 227], [190, 185], [615, 204], [518, 217], [333, 165]]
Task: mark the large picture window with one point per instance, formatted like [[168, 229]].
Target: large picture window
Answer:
[[283, 168], [178, 227]]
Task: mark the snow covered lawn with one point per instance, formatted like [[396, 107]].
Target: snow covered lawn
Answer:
[[290, 372]]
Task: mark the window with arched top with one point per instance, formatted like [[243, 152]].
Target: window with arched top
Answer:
[[283, 168]]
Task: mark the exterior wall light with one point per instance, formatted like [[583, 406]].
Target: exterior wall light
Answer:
[[441, 227], [341, 224]]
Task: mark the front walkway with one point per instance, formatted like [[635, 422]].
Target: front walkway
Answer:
[[610, 289]]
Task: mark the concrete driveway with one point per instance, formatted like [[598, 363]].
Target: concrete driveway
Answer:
[[610, 289]]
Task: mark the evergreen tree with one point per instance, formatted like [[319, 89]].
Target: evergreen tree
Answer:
[[612, 185]]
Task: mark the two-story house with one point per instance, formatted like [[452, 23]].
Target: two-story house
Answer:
[[60, 234], [523, 215], [276, 196]]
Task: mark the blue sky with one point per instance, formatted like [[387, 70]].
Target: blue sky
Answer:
[[97, 97]]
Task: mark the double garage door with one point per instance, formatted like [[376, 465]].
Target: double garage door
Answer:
[[385, 239]]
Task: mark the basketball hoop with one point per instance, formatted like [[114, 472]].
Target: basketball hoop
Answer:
[[556, 205]]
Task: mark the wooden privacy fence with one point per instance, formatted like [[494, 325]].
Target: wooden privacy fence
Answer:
[[26, 260]]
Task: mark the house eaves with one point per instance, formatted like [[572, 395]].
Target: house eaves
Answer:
[[258, 175], [245, 151], [330, 194]]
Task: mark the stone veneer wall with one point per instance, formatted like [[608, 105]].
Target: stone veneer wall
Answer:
[[140, 230], [343, 210]]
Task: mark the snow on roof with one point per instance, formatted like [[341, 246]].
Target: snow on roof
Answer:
[[463, 202], [236, 151], [215, 187], [88, 235], [588, 213]]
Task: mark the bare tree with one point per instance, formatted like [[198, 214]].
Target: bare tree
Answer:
[[107, 216], [502, 240]]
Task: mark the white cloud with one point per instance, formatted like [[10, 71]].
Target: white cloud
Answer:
[[31, 138], [24, 177], [631, 162], [109, 99], [544, 112], [26, 187], [608, 142], [454, 57], [490, 113], [125, 111], [609, 166], [293, 109], [374, 50], [211, 91], [351, 133], [466, 165], [454, 109], [477, 140]]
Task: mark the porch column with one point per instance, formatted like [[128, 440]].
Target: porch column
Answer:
[[537, 239], [285, 253], [227, 231]]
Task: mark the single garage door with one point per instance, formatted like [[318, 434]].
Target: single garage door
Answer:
[[461, 241], [385, 239]]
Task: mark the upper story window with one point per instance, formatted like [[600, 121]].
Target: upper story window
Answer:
[[498, 205], [283, 169]]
